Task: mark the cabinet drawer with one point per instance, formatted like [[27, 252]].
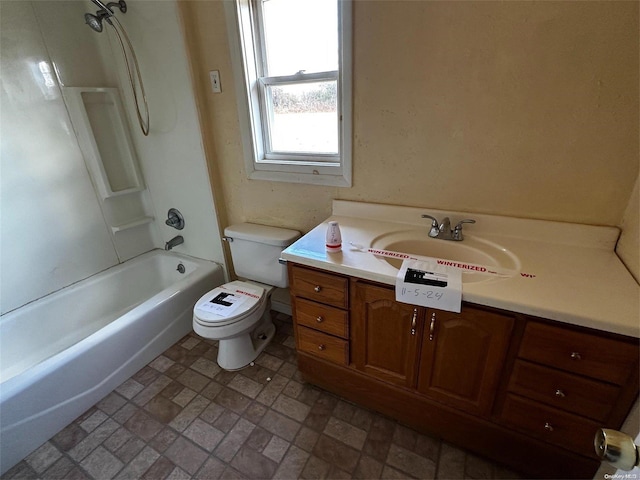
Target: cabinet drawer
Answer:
[[318, 286], [549, 424], [322, 345], [322, 317], [583, 353], [569, 392]]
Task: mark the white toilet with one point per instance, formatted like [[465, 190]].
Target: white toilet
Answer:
[[238, 313]]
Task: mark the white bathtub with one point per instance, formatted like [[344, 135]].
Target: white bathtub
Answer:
[[63, 353]]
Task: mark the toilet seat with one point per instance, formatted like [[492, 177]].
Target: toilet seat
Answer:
[[228, 303]]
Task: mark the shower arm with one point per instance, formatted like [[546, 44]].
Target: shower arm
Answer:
[[122, 6], [104, 7]]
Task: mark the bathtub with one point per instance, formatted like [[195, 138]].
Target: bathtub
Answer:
[[63, 353]]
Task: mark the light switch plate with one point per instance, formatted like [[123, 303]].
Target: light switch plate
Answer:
[[214, 76]]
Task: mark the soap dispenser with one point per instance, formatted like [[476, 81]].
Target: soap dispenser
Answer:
[[333, 238]]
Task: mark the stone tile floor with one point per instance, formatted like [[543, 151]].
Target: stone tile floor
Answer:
[[182, 417]]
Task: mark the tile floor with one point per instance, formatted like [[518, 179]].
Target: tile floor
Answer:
[[182, 417]]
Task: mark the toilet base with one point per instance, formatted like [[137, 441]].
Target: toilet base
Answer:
[[238, 352]]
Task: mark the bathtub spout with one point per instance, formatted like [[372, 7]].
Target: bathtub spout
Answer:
[[175, 241]]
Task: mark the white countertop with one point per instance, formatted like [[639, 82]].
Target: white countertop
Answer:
[[574, 275]]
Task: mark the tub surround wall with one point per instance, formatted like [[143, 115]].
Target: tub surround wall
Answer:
[[172, 156], [93, 65], [52, 230], [526, 109], [55, 231], [82, 59]]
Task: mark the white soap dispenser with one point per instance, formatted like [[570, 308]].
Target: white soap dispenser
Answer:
[[333, 238]]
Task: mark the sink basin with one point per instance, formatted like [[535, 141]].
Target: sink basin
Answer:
[[472, 250]]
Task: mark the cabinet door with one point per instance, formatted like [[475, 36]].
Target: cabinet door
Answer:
[[462, 357], [385, 335]]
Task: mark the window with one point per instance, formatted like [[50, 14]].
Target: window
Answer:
[[292, 64]]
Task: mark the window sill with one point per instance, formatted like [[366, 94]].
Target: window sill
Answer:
[[308, 178]]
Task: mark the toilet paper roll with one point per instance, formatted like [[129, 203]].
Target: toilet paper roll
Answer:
[[616, 448]]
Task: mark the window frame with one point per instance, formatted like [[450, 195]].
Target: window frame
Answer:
[[298, 167]]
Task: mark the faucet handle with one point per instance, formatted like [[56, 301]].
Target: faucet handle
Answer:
[[466, 220], [457, 231], [434, 231]]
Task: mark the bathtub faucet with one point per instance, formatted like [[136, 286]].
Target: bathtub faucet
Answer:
[[174, 242]]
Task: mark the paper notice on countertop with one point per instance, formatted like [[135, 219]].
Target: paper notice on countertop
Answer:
[[425, 283]]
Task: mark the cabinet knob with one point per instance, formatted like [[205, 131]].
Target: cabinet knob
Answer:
[[319, 319], [576, 356], [548, 427], [560, 393], [317, 288], [321, 347]]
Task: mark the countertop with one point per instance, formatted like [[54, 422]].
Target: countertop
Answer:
[[565, 272]]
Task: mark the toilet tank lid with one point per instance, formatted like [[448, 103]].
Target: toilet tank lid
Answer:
[[281, 237]]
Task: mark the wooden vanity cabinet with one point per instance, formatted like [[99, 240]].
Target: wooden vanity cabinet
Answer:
[[320, 308], [385, 335], [566, 382], [526, 392], [462, 357], [453, 358]]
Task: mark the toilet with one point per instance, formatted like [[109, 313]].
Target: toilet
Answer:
[[238, 313]]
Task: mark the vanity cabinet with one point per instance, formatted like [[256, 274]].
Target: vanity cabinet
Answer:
[[526, 392], [385, 335], [319, 305], [462, 357], [453, 358], [567, 383]]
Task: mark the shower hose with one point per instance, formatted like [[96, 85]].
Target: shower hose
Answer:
[[133, 71]]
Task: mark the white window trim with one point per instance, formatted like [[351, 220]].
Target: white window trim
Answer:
[[321, 172]]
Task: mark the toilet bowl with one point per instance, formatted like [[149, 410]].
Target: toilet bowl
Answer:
[[238, 313]]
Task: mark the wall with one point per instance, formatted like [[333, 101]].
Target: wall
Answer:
[[83, 58], [628, 247], [52, 229], [172, 157], [526, 109]]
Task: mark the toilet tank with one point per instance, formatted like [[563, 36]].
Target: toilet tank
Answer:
[[255, 250]]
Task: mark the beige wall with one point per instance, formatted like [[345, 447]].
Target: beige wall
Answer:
[[628, 247], [527, 109]]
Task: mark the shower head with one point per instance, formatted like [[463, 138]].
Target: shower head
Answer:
[[95, 21]]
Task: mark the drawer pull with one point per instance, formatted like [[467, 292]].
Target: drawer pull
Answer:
[[560, 393], [317, 288], [548, 427], [576, 356], [432, 326], [319, 319], [413, 321], [321, 347]]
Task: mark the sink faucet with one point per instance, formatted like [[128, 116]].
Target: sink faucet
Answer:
[[175, 241], [443, 230]]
